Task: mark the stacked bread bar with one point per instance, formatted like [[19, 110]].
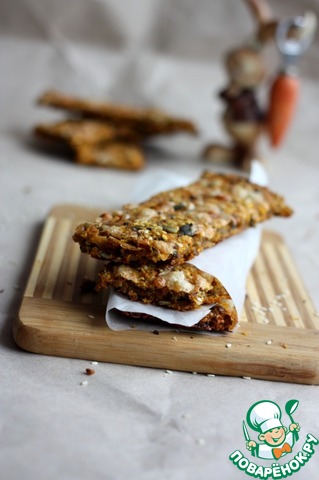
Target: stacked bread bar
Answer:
[[147, 246], [104, 134]]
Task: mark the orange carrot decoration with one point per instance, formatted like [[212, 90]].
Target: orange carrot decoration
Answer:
[[283, 99]]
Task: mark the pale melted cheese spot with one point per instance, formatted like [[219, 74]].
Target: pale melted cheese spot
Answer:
[[114, 230], [240, 192], [178, 282], [128, 273], [243, 193], [147, 214], [202, 283]]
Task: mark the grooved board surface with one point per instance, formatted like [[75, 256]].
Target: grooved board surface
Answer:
[[55, 319]]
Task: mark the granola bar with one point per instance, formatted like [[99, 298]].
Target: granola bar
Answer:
[[144, 121], [174, 226], [183, 287], [97, 143], [119, 155], [85, 131]]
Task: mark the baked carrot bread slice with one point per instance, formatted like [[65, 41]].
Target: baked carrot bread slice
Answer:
[[77, 132], [142, 120], [174, 226], [97, 143], [182, 287], [116, 154], [219, 319]]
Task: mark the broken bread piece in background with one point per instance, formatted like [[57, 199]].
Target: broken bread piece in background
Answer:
[[107, 135], [116, 154], [145, 121], [96, 143], [75, 131]]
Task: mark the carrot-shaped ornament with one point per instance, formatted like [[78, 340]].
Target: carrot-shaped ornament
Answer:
[[283, 99], [293, 37]]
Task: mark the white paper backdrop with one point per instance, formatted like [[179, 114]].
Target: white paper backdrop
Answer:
[[131, 422]]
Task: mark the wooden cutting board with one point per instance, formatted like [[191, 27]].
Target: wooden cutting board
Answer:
[[278, 336]]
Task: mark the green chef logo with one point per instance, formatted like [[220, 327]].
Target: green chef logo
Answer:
[[274, 441]]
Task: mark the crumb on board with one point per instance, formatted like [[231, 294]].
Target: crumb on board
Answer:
[[228, 345], [156, 332], [168, 371], [92, 317], [89, 371], [247, 378], [174, 338], [283, 345], [268, 342], [210, 375], [275, 302], [94, 363], [84, 383]]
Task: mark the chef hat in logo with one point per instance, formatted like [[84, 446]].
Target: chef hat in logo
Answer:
[[264, 416]]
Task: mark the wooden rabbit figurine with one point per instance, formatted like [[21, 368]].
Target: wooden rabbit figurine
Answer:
[[243, 119]]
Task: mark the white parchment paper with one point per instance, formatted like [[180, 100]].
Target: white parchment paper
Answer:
[[229, 261]]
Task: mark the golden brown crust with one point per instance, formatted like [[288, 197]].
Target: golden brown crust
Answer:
[[120, 155], [177, 225], [183, 287], [78, 132], [88, 131], [97, 143], [143, 121]]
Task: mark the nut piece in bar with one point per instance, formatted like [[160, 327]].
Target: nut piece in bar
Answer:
[[174, 226]]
